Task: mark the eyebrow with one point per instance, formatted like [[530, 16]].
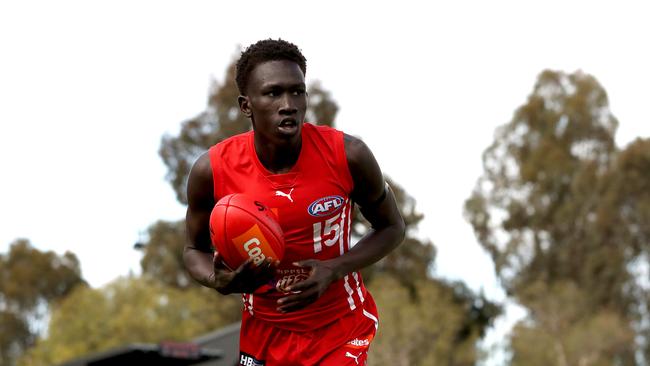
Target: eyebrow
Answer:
[[282, 85]]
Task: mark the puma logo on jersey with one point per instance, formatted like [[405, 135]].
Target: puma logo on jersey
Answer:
[[287, 195], [325, 206], [356, 358]]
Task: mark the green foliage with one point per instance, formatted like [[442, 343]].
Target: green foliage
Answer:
[[29, 281], [163, 254], [322, 109], [15, 336], [536, 172], [413, 258], [441, 327], [564, 334], [129, 310], [558, 204], [220, 120]]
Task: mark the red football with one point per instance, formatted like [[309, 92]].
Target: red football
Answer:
[[242, 228]]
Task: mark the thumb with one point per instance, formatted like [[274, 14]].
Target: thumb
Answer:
[[218, 263]]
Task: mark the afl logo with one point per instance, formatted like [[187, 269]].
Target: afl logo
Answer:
[[325, 206]]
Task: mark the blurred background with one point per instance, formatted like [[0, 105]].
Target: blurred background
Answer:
[[515, 134]]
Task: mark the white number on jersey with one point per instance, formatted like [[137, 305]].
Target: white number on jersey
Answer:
[[329, 228]]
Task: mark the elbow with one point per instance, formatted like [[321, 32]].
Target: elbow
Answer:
[[190, 259], [186, 255], [400, 229]]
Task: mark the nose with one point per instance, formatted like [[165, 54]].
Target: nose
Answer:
[[287, 105]]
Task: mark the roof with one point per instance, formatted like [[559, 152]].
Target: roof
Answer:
[[225, 339], [218, 348]]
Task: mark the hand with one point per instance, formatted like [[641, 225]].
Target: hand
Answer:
[[245, 279], [307, 291]]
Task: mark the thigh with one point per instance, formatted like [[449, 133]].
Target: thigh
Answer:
[[354, 351], [255, 338], [346, 357], [344, 342], [261, 344]]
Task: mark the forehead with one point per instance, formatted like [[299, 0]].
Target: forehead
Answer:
[[280, 73]]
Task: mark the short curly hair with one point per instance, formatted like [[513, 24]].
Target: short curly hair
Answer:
[[263, 51]]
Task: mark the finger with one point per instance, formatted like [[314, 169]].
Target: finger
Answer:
[[269, 271], [294, 305], [264, 269], [298, 301], [305, 263], [302, 285], [274, 263], [246, 266], [297, 295], [267, 265], [265, 272]]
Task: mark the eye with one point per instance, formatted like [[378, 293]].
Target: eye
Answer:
[[299, 92]]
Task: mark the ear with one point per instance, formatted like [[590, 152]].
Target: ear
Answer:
[[245, 105]]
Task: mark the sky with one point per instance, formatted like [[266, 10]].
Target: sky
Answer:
[[87, 90]]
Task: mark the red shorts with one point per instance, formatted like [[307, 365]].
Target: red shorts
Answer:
[[344, 342]]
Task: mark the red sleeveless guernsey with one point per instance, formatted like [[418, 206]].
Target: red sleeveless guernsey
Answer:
[[312, 202]]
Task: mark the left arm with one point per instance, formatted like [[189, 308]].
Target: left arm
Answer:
[[377, 204]]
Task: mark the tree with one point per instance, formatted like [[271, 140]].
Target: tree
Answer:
[[563, 334], [128, 310], [29, 281], [441, 327], [413, 258], [163, 258], [15, 336], [554, 207]]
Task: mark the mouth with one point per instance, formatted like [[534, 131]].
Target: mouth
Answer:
[[288, 126]]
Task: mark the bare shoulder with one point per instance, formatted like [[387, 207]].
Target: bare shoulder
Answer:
[[366, 174], [202, 165], [200, 184], [355, 149]]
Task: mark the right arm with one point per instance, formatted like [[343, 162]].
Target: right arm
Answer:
[[198, 253], [201, 262]]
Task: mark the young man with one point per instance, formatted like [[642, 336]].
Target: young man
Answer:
[[313, 309]]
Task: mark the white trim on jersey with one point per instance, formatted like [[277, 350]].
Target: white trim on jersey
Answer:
[[318, 240], [348, 289], [347, 235], [248, 302], [356, 278], [342, 223], [374, 318]]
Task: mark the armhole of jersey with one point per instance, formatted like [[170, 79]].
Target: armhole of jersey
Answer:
[[213, 153], [346, 175]]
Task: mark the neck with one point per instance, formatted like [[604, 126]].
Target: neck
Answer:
[[276, 158]]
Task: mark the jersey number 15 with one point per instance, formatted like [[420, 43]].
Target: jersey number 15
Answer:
[[326, 229]]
